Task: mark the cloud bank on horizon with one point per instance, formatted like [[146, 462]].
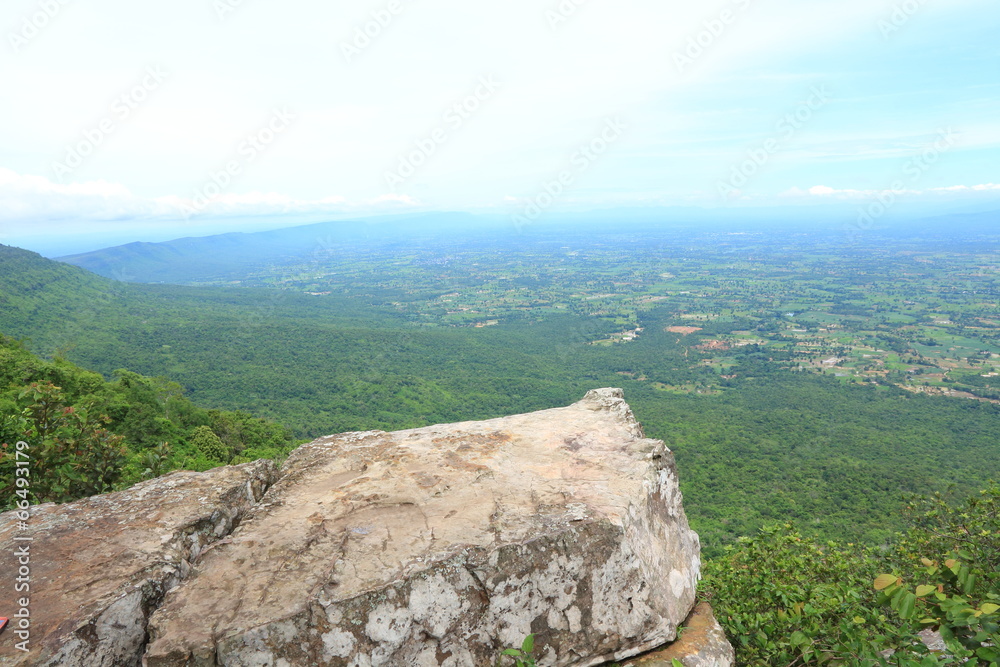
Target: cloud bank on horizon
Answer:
[[187, 113]]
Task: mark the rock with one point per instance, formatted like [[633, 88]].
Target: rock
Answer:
[[444, 545], [933, 640], [702, 644], [99, 566]]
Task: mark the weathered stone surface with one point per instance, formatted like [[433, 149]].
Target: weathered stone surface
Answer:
[[445, 545], [99, 566], [702, 644]]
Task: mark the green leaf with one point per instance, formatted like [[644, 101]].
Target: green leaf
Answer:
[[969, 584], [907, 603], [925, 590], [989, 608], [529, 644], [988, 653], [884, 581]]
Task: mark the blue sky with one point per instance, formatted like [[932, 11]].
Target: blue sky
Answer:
[[155, 120]]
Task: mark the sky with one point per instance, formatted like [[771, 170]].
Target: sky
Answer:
[[128, 120]]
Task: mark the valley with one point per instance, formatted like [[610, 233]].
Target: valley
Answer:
[[795, 375], [905, 312]]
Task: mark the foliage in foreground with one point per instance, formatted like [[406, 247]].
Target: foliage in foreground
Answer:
[[521, 657], [85, 435], [786, 601]]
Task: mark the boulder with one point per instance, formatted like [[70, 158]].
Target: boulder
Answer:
[[447, 544], [702, 644], [96, 568]]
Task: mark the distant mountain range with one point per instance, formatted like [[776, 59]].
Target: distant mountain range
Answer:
[[206, 258], [233, 255]]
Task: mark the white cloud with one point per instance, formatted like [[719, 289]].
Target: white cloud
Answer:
[[354, 121], [984, 187], [14, 186], [29, 198], [824, 191]]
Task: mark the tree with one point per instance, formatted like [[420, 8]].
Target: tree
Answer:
[[72, 454], [208, 443], [156, 461]]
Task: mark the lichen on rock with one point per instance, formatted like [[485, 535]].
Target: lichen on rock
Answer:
[[100, 566], [441, 545], [444, 545]]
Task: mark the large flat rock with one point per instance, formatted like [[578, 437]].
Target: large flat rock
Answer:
[[98, 567], [445, 545]]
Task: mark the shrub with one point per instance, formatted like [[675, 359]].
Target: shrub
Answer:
[[787, 601], [208, 443], [71, 453]]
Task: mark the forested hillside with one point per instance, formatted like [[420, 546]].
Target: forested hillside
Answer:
[[39, 298], [89, 435]]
